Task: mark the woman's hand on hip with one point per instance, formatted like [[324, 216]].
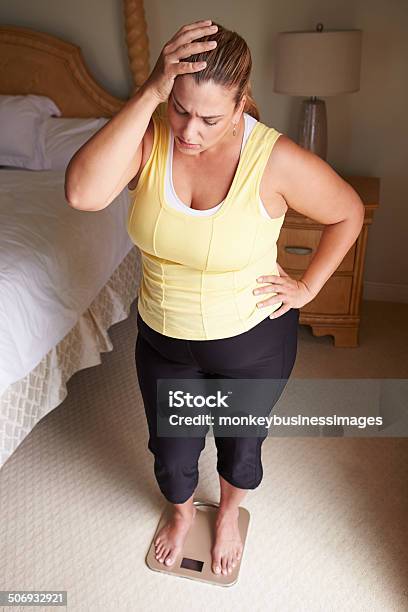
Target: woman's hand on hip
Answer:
[[293, 293]]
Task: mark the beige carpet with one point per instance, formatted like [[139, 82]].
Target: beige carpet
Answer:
[[79, 502]]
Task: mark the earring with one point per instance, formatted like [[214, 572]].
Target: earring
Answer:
[[234, 131]]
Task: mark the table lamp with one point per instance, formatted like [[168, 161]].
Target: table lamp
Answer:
[[320, 63]]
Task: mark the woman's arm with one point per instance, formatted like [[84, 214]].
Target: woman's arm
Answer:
[[311, 187], [108, 161]]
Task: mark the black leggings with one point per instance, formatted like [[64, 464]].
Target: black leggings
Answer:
[[268, 350]]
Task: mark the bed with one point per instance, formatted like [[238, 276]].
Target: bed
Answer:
[[61, 289]]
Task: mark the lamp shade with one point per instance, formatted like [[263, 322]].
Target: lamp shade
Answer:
[[319, 63]]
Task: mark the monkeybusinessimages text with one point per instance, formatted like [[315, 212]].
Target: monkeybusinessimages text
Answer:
[[180, 399]]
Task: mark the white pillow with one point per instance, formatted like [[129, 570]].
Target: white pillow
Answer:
[[64, 136], [22, 130]]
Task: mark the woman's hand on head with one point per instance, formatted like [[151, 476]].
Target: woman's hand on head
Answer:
[[168, 66]]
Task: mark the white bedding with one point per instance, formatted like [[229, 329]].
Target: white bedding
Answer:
[[53, 262]]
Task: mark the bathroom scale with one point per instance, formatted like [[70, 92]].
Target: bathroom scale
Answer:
[[194, 561]]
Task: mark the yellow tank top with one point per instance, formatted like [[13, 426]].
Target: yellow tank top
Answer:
[[199, 272]]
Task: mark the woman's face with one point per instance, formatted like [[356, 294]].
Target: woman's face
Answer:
[[201, 115]]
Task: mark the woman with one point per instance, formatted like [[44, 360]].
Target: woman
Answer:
[[210, 187]]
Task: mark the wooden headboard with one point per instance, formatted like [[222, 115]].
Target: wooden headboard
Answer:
[[33, 62]]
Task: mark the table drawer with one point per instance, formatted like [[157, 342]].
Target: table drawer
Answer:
[[296, 249], [333, 298]]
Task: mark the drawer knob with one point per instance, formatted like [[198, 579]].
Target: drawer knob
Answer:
[[298, 250]]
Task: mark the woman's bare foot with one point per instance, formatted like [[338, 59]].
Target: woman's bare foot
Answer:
[[227, 547], [170, 539]]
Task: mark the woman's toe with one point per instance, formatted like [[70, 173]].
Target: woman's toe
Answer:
[[159, 550], [216, 564]]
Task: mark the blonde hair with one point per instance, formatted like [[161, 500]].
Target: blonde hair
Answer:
[[229, 64]]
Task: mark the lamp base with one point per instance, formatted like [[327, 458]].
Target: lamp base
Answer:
[[312, 133]]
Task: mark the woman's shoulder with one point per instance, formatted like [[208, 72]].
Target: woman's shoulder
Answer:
[[158, 122], [266, 130], [158, 116]]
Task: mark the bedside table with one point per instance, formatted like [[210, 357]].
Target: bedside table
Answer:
[[336, 308]]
